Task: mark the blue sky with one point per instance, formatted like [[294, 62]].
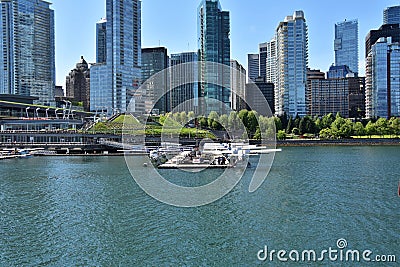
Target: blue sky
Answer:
[[173, 24]]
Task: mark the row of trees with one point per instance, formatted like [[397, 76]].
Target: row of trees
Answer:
[[328, 126]]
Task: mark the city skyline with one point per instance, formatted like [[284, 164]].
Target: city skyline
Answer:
[[76, 37]]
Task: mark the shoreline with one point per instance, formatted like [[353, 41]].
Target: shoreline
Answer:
[[340, 142]]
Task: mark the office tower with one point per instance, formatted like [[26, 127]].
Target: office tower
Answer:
[[101, 41], [27, 49], [253, 66], [253, 99], [78, 84], [391, 15], [346, 44], [238, 83], [113, 83], [270, 64], [345, 95], [155, 60], [184, 82], [262, 50], [291, 68], [214, 46], [382, 72]]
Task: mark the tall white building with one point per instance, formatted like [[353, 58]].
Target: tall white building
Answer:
[[292, 63], [123, 58], [270, 64], [27, 53]]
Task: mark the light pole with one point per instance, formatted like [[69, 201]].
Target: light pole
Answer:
[[55, 111], [37, 114], [27, 115]]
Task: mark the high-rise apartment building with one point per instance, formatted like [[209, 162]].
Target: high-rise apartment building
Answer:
[[101, 41], [214, 46], [270, 74], [155, 60], [292, 63], [391, 15], [184, 82], [345, 95], [253, 66], [123, 58], [383, 72], [346, 44], [27, 52]]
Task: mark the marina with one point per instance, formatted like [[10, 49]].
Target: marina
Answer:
[[212, 155]]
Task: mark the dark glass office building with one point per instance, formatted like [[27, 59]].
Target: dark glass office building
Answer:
[[214, 46]]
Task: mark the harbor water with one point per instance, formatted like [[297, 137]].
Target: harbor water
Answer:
[[88, 211]]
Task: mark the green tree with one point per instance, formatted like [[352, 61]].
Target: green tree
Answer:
[[215, 125], [191, 115], [257, 134], [327, 121], [281, 135], [203, 122], [232, 121], [290, 125], [278, 123], [341, 128], [213, 116], [318, 125], [184, 118], [303, 125], [297, 121], [381, 126], [370, 128], [252, 122], [223, 119], [243, 116], [394, 126], [359, 129], [325, 133]]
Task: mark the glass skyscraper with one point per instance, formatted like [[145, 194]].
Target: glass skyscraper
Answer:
[[292, 63], [391, 15], [184, 85], [253, 66], [154, 60], [123, 57], [383, 79], [214, 46], [101, 41], [27, 51], [346, 44]]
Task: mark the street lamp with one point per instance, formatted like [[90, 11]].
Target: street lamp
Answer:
[[55, 111], [27, 115], [37, 114]]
